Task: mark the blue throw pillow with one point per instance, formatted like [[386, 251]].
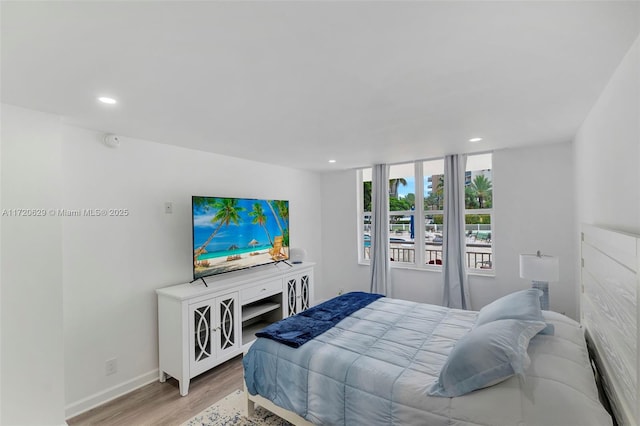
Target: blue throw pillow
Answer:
[[522, 305], [485, 356]]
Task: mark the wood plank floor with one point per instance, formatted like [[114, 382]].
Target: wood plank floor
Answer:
[[161, 403]]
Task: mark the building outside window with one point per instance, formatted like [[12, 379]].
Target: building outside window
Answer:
[[416, 207]]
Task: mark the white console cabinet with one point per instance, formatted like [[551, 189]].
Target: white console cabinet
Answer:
[[201, 326]]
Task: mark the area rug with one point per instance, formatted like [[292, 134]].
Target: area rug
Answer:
[[228, 411]]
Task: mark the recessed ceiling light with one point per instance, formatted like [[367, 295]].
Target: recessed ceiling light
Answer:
[[106, 100], [332, 161], [475, 139]]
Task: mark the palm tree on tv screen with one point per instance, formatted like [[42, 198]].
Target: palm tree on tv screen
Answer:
[[275, 215], [227, 211], [259, 218], [283, 212]]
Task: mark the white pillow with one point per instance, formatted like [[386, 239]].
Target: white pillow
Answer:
[[522, 305], [488, 354]]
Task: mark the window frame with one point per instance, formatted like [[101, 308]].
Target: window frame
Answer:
[[419, 213]]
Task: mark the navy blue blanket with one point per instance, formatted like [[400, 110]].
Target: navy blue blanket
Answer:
[[299, 329]]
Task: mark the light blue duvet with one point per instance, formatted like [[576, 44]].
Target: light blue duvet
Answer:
[[375, 367]]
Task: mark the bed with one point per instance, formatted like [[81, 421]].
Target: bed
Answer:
[[379, 364]]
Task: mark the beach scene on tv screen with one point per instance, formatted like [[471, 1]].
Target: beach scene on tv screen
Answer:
[[238, 233]]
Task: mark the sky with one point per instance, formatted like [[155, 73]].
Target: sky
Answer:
[[410, 187]]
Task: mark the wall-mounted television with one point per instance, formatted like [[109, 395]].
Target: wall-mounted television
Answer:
[[230, 234]]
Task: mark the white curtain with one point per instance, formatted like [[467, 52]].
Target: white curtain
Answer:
[[455, 291], [380, 266]]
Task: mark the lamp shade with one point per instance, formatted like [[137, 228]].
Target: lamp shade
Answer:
[[538, 267]]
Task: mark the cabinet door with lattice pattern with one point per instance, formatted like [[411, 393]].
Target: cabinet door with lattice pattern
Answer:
[[305, 292], [298, 293], [213, 331], [292, 293], [227, 336]]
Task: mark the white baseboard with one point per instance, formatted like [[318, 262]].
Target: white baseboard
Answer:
[[92, 401]]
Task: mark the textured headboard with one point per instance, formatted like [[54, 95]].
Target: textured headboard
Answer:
[[609, 311]]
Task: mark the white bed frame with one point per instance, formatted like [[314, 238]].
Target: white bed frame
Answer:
[[287, 415], [609, 312]]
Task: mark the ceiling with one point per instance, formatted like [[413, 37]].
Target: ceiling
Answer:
[[300, 83]]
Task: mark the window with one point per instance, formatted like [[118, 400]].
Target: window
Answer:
[[433, 176], [416, 213], [402, 199], [478, 188]]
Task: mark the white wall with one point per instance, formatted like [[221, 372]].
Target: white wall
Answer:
[[607, 152], [53, 348], [607, 155], [113, 265], [534, 210], [31, 270], [340, 235]]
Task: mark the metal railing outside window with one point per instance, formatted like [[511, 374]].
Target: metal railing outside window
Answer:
[[476, 259]]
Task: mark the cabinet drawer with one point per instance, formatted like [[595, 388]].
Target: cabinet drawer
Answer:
[[261, 290]]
